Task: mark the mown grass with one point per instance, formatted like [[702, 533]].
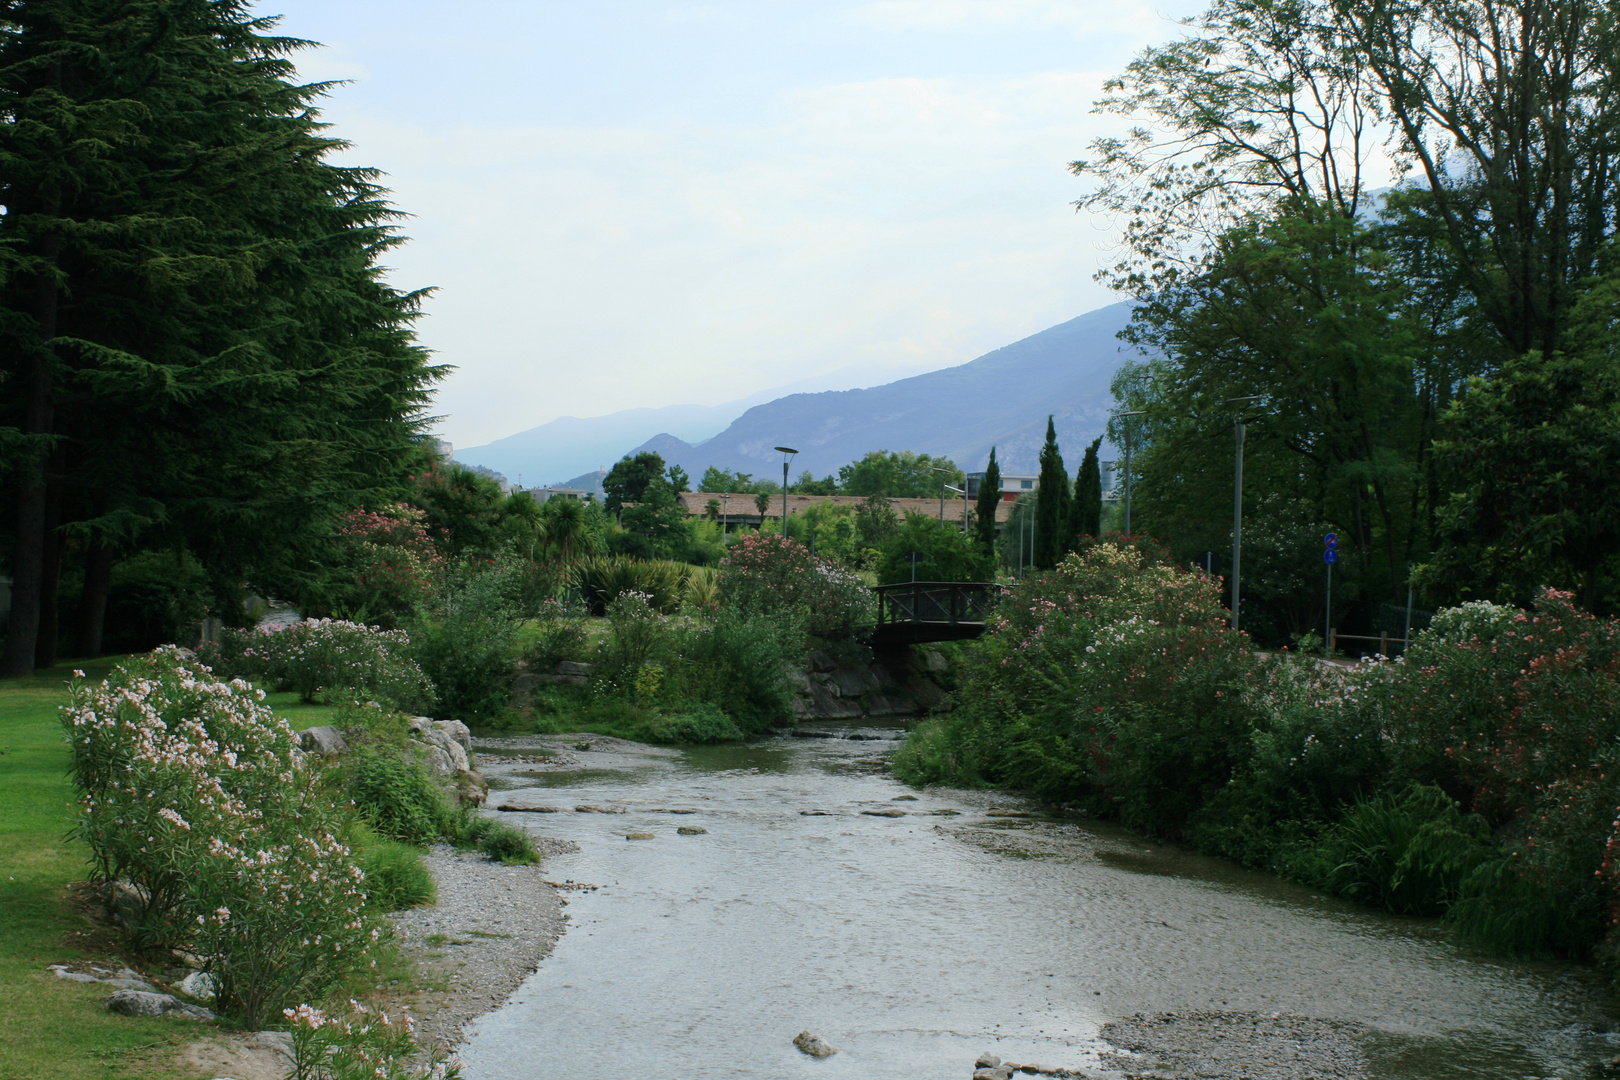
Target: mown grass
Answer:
[[52, 1027]]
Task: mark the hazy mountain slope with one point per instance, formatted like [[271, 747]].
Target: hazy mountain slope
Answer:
[[570, 445], [1000, 399]]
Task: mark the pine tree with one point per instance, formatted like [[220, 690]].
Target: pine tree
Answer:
[[1052, 505], [204, 354], [989, 498], [1085, 513]]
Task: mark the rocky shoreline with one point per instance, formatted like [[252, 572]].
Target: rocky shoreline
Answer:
[[489, 930]]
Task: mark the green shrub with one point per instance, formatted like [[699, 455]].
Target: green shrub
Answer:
[[396, 796], [467, 648], [507, 843], [396, 876], [558, 637], [740, 665], [1408, 851], [702, 723], [602, 579]]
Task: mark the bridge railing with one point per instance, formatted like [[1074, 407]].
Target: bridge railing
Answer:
[[951, 602]]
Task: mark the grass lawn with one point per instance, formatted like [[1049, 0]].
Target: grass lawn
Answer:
[[51, 1027]]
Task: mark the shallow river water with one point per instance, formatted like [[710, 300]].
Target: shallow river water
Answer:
[[914, 943]]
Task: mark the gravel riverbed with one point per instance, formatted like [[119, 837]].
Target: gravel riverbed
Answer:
[[489, 930]]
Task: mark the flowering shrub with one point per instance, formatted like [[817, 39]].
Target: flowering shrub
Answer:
[[1113, 681], [764, 573], [393, 562], [194, 792], [320, 657], [364, 1045]]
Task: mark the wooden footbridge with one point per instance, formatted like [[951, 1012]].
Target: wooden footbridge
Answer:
[[915, 612]]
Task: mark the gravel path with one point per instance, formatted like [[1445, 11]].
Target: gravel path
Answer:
[[490, 929], [1251, 1046]]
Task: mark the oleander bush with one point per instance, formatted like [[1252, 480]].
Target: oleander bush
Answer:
[[1112, 683], [325, 658], [194, 792], [361, 1044], [766, 574], [1477, 778]]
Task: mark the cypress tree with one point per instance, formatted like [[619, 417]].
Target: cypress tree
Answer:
[[989, 498], [1052, 504], [191, 312], [1085, 513]]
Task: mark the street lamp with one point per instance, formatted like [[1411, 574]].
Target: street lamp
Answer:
[[787, 453], [942, 487], [1237, 506], [963, 490], [725, 517], [1127, 429]]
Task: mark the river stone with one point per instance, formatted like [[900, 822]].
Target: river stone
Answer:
[[893, 811], [987, 1060], [691, 830], [815, 813], [199, 985], [145, 1003], [457, 731], [936, 662], [589, 808], [1000, 1072], [821, 661], [904, 798], [813, 1045], [438, 762], [640, 836], [574, 667], [324, 740], [514, 808]]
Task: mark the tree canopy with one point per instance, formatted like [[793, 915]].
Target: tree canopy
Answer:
[[199, 350]]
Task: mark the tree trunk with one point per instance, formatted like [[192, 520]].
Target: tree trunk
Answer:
[[50, 576], [28, 550], [98, 564]]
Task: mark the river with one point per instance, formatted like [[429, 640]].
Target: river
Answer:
[[914, 943]]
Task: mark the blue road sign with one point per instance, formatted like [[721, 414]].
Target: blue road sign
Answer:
[[1330, 540], [1330, 556]]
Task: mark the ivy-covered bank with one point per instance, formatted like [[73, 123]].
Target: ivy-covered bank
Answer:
[[1476, 778]]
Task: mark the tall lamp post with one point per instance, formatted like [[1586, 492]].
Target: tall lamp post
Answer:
[[725, 518], [963, 490], [787, 453], [1126, 428], [1237, 506]]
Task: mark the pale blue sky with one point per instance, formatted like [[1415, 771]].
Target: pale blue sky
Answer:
[[639, 203]]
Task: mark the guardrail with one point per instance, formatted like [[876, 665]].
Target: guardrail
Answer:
[[1383, 641], [942, 603]]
